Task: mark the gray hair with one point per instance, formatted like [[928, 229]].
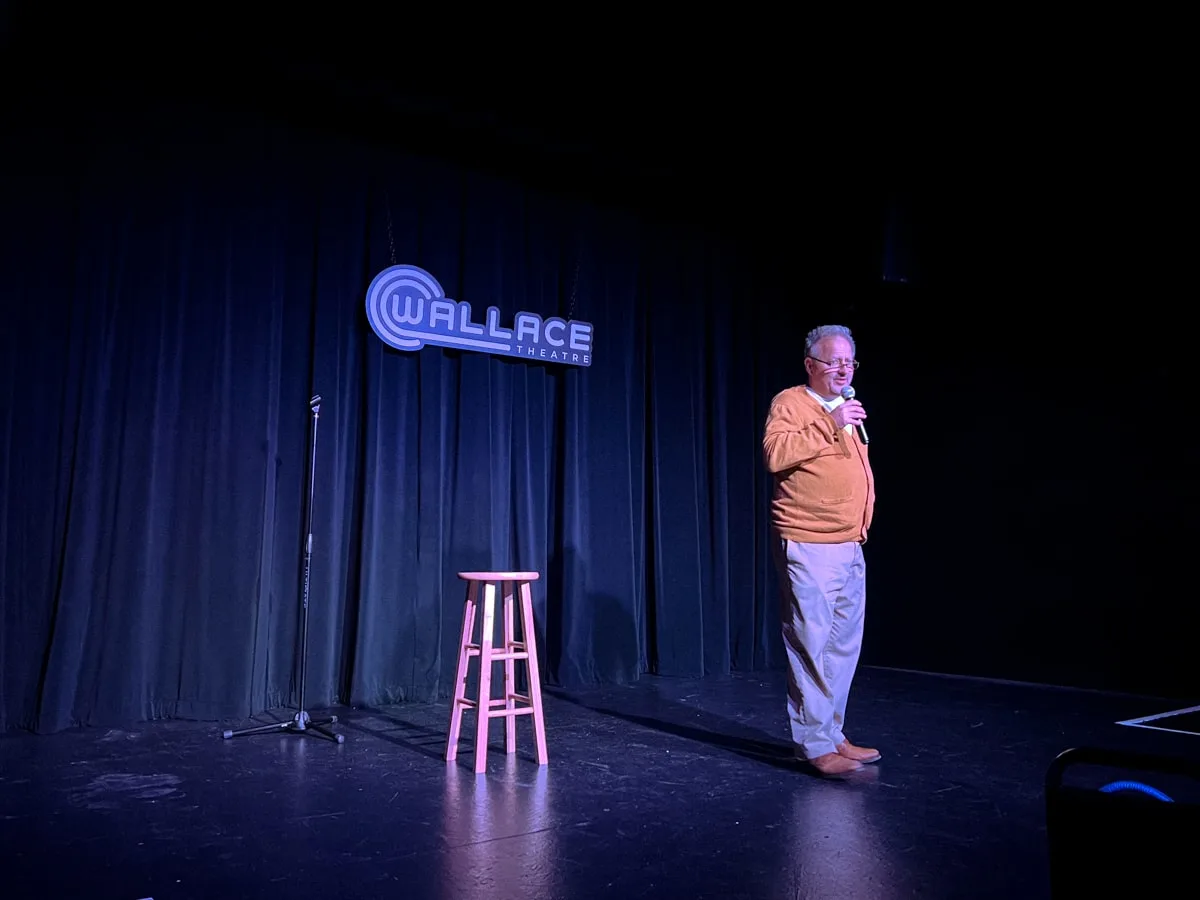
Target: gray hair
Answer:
[[823, 331]]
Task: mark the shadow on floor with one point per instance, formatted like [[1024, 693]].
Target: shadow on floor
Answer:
[[429, 741], [701, 726]]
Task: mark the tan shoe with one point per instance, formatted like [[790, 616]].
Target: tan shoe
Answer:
[[834, 764], [858, 754]]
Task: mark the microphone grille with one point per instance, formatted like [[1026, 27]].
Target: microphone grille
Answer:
[[848, 393]]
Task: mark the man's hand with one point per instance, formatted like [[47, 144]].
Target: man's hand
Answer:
[[849, 413]]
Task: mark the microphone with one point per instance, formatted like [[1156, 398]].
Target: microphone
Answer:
[[848, 394]]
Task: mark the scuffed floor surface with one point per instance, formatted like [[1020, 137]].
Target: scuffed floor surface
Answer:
[[666, 788]]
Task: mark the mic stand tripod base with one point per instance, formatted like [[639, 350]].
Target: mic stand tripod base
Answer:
[[301, 723]]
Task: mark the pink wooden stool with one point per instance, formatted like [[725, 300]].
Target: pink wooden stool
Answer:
[[510, 650]]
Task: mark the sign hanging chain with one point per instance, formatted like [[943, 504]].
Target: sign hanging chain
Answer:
[[387, 199], [575, 278]]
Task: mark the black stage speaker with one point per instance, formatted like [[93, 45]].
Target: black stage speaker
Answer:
[[1122, 824]]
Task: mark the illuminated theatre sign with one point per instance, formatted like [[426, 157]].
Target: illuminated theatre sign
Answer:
[[408, 309]]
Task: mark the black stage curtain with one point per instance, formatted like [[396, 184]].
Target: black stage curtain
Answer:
[[177, 286], [173, 296]]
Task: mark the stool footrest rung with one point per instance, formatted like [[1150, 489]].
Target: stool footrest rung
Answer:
[[515, 711], [516, 698], [517, 651], [468, 703]]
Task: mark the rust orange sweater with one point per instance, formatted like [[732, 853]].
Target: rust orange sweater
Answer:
[[824, 488]]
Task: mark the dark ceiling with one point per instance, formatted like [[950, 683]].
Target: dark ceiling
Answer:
[[750, 135], [724, 121], [753, 126]]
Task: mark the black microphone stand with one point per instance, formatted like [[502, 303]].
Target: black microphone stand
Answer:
[[302, 723]]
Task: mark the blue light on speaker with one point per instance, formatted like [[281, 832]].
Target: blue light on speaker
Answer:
[[1113, 787]]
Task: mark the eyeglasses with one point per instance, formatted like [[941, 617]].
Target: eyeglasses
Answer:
[[837, 363]]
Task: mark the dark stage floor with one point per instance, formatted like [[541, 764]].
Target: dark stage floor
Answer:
[[666, 788]]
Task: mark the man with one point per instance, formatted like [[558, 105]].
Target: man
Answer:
[[821, 510]]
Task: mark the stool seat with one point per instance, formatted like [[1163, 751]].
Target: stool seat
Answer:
[[487, 651], [499, 576]]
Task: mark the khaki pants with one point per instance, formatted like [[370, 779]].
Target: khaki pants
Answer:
[[822, 607]]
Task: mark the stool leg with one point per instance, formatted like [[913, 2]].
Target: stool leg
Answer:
[[460, 677], [484, 705], [535, 675], [510, 673]]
